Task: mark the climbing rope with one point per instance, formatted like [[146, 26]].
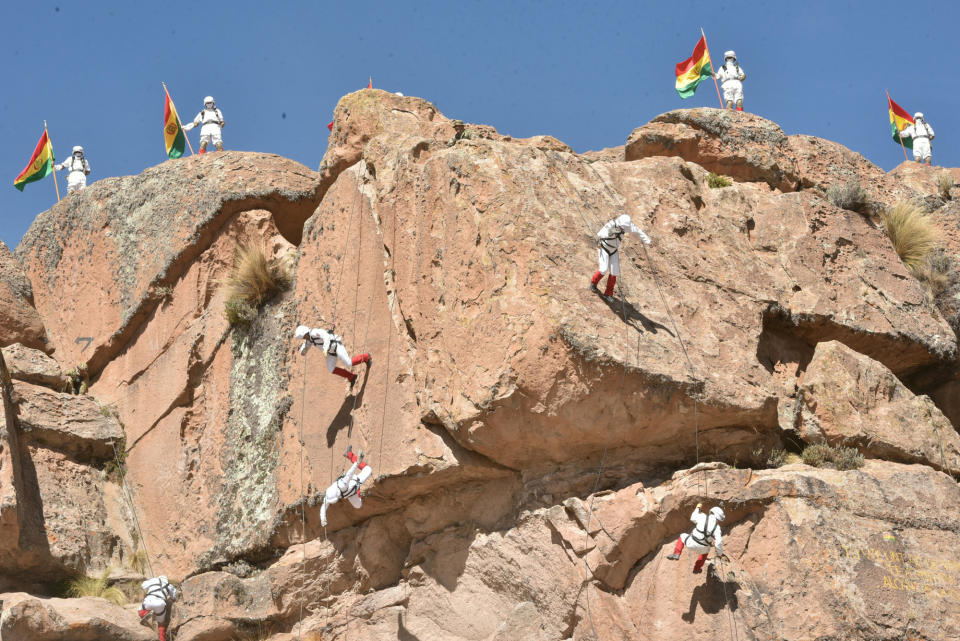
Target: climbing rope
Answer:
[[133, 509], [303, 501]]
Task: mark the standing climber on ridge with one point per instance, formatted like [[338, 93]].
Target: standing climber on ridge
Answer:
[[79, 169], [922, 134], [705, 534], [212, 120], [608, 250], [159, 598], [332, 345], [731, 78], [348, 485]]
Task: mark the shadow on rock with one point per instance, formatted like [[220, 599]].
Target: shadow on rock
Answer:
[[712, 596], [402, 633], [633, 317], [342, 419]]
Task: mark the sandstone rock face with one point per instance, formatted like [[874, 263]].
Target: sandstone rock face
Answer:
[[531, 442], [33, 366], [145, 231], [19, 321], [849, 399], [26, 618]]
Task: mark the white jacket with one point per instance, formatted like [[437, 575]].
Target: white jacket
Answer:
[[159, 591], [73, 164], [320, 338], [706, 530], [921, 129], [731, 75], [611, 234], [211, 119]]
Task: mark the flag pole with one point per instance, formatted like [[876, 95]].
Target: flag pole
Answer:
[[185, 137], [899, 137], [712, 72], [53, 161]]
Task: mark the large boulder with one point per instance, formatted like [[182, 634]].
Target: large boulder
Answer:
[[28, 618], [19, 321], [849, 399], [33, 366]]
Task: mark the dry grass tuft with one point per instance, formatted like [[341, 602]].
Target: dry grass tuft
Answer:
[[944, 184], [82, 586], [717, 181], [254, 280], [835, 456], [910, 231], [849, 196]]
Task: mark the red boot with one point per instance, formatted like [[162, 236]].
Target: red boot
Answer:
[[363, 358], [740, 108], [698, 566], [677, 549], [611, 281], [162, 632], [594, 280], [353, 459], [339, 371]]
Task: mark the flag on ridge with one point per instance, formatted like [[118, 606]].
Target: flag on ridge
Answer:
[[370, 84], [40, 165], [330, 125], [899, 120], [172, 131], [694, 69]]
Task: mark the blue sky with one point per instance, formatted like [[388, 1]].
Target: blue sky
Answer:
[[585, 73]]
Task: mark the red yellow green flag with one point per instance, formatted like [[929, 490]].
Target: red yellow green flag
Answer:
[[899, 120], [40, 165], [172, 131], [694, 69]]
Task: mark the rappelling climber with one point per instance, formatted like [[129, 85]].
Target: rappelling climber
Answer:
[[922, 134], [212, 120], [705, 534], [79, 169], [731, 78], [348, 485], [608, 250], [332, 345], [158, 601]]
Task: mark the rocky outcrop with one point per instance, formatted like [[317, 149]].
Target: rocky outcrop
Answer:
[[19, 321], [145, 231], [26, 618], [33, 366], [525, 434], [848, 399]]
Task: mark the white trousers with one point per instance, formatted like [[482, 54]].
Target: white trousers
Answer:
[[921, 148], [342, 355], [77, 180], [732, 92], [608, 261], [692, 545]]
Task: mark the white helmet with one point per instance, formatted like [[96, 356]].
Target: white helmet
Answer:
[[624, 220], [729, 54], [78, 149], [208, 101], [717, 513], [918, 115], [302, 331]]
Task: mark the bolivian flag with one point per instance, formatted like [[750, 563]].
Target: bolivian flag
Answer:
[[40, 165], [172, 131], [694, 69], [899, 120]]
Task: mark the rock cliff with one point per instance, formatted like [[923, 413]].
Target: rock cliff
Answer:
[[536, 448]]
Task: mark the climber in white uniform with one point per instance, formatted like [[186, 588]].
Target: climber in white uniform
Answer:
[[332, 345], [608, 250], [212, 120], [348, 485], [79, 169], [160, 595], [731, 78], [922, 134], [706, 533]]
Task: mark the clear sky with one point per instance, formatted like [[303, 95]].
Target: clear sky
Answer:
[[586, 73]]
